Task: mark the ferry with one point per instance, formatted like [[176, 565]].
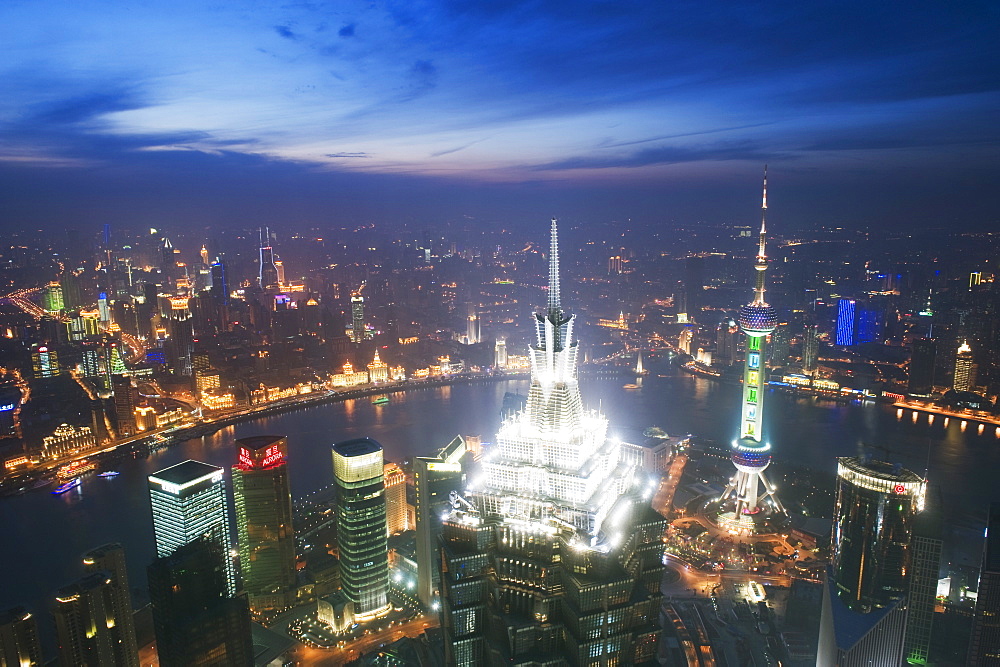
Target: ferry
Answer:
[[630, 386], [75, 469], [108, 473], [380, 400], [66, 486]]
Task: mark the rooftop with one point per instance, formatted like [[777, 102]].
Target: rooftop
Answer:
[[357, 447], [256, 442], [186, 472]]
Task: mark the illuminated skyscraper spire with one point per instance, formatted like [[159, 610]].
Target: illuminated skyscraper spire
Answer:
[[554, 306], [750, 452]]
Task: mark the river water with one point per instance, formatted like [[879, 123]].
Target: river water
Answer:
[[44, 535]]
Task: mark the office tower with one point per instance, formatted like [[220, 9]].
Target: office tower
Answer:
[[810, 348], [870, 321], [44, 362], [126, 399], [872, 531], [750, 453], [195, 620], [357, 317], [180, 336], [500, 353], [434, 479], [220, 286], [553, 556], [964, 376], [279, 266], [361, 532], [188, 501], [924, 572], [19, 646], [984, 644], [846, 309], [110, 560], [865, 617], [264, 522], [395, 499], [725, 343], [267, 277], [52, 299], [923, 357], [86, 623], [204, 254]]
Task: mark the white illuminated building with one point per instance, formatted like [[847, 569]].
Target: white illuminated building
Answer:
[[552, 465], [188, 502]]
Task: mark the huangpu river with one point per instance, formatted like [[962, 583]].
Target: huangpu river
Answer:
[[44, 535]]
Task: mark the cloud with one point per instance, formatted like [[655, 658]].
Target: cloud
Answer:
[[449, 151], [661, 155], [286, 32], [346, 31], [348, 155]]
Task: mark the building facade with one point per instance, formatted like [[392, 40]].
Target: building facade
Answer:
[[265, 536], [434, 478], [361, 526], [984, 646], [19, 645], [110, 559], [189, 501]]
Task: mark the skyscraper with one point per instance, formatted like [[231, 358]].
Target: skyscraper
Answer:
[[984, 646], [865, 613], [395, 499], [810, 348], [357, 317], [267, 277], [554, 555], [86, 623], [725, 343], [19, 646], [189, 501], [963, 368], [846, 309], [195, 619], [110, 559], [872, 531], [361, 526], [435, 477], [471, 324], [750, 452], [923, 359], [264, 522]]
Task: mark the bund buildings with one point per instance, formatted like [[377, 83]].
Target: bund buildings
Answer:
[[554, 555]]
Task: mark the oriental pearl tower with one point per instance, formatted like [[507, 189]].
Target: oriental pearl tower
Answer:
[[749, 490]]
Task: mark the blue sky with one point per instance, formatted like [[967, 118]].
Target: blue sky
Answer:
[[868, 113]]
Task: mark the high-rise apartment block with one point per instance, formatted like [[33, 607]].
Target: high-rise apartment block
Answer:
[[361, 526], [110, 559], [188, 502], [86, 623], [264, 522], [19, 645]]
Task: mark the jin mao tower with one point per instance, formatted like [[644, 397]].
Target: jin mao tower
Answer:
[[554, 555], [748, 488]]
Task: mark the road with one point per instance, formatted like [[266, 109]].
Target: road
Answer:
[[304, 655]]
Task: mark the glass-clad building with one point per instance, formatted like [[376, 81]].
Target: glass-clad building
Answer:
[[264, 521], [188, 501], [873, 530], [361, 526]]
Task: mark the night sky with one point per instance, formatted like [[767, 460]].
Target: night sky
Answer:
[[194, 113]]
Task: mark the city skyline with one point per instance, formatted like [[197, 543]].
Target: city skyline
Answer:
[[419, 112]]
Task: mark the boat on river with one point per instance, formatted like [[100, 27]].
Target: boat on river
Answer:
[[67, 486]]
